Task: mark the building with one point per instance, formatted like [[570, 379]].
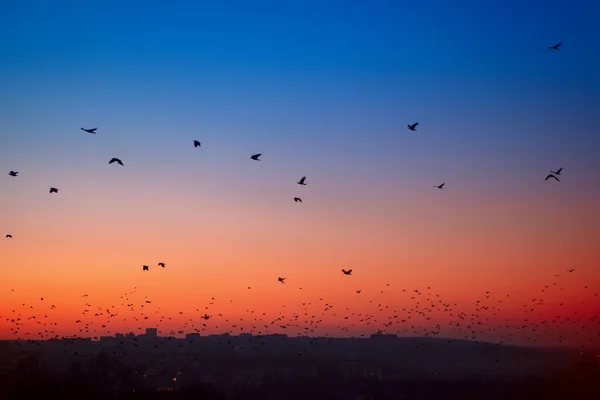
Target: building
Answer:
[[151, 332], [351, 370]]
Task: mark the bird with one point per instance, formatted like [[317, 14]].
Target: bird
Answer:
[[197, 143], [9, 236], [557, 172], [53, 190], [413, 127], [358, 291], [280, 279], [440, 186], [145, 268], [556, 46], [301, 181], [93, 130], [13, 173], [349, 272], [551, 176], [571, 270], [114, 159], [255, 157], [161, 264], [297, 199]]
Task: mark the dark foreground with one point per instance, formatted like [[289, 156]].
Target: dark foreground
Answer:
[[102, 378], [318, 389], [279, 367]]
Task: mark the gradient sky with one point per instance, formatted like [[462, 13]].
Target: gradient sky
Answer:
[[323, 89]]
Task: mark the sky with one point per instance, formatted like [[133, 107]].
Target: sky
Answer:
[[323, 89]]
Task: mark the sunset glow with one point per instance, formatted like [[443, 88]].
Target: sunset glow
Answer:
[[497, 111]]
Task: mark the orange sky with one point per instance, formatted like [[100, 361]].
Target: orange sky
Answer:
[[218, 249]]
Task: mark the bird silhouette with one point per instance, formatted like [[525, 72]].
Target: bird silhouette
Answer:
[[557, 172], [551, 176], [280, 279], [255, 157], [440, 186], [161, 264], [301, 181], [197, 143], [571, 270], [9, 236], [145, 268], [13, 173], [413, 127], [556, 46], [53, 190], [297, 199], [358, 291], [92, 130], [115, 160], [349, 272]]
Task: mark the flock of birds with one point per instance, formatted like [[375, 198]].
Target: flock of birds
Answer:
[[422, 313], [424, 304]]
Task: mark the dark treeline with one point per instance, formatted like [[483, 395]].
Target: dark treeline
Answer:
[[104, 377]]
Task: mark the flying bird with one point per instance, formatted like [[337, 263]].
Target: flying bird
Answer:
[[571, 270], [161, 264], [440, 186], [255, 157], [280, 279], [301, 181], [93, 130], [557, 172], [53, 190], [297, 199], [197, 143], [556, 46], [145, 268], [114, 159], [551, 176], [349, 272], [413, 127], [358, 291], [13, 173], [9, 236]]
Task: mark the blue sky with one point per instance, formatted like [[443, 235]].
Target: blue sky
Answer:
[[325, 83]]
